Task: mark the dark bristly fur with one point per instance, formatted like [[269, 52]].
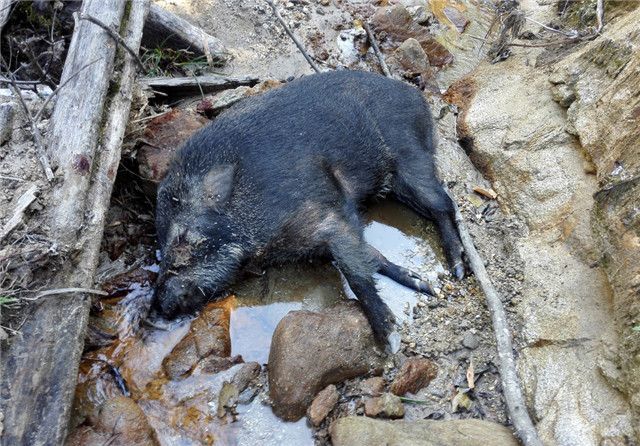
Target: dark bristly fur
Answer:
[[283, 176]]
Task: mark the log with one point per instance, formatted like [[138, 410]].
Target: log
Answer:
[[164, 28], [41, 365], [189, 86], [5, 10]]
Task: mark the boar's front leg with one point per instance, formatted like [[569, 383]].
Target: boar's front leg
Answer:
[[354, 259]]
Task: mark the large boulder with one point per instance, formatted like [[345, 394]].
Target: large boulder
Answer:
[[311, 350], [350, 431]]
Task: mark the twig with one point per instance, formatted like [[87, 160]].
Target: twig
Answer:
[[571, 35], [67, 291], [23, 203], [114, 35], [37, 136], [600, 15], [376, 49], [512, 390], [36, 118], [295, 40]]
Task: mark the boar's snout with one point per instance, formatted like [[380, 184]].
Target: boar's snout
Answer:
[[174, 298]]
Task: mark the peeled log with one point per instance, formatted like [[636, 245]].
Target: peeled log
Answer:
[[40, 367]]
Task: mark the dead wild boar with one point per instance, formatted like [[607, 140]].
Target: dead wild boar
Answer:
[[283, 176]]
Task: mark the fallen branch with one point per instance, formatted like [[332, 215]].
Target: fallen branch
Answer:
[[200, 84], [525, 430], [376, 49], [600, 15], [24, 202], [294, 38], [165, 29], [114, 35], [69, 291]]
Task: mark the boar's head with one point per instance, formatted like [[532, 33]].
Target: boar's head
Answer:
[[201, 251]]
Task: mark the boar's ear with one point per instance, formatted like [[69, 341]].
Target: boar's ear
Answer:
[[217, 185]]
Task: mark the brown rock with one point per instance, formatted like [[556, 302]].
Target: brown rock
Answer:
[[211, 332], [372, 386], [387, 405], [208, 336], [352, 430], [399, 26], [163, 136], [247, 373], [122, 417], [181, 359], [322, 404], [311, 350], [412, 58], [415, 374]]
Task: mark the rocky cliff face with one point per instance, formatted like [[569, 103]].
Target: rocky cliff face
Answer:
[[572, 176]]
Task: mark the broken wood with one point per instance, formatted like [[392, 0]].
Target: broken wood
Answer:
[[41, 364], [511, 387], [292, 36], [164, 28], [23, 203], [376, 49], [186, 86]]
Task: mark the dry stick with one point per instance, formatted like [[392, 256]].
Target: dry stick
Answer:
[[42, 154], [69, 290], [36, 118], [295, 40], [376, 49], [600, 15], [522, 423], [114, 35], [23, 203]]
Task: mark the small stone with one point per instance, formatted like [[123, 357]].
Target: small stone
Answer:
[[386, 406], [181, 359], [470, 341], [415, 374], [325, 2], [372, 386], [123, 418], [322, 404], [7, 112], [210, 332], [411, 57]]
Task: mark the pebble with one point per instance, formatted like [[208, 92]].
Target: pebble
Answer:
[[470, 341], [387, 406]]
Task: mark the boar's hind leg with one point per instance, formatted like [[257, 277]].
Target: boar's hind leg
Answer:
[[401, 275], [354, 259], [417, 186]]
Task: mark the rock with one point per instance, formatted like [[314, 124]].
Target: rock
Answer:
[[181, 359], [411, 58], [247, 373], [210, 332], [122, 418], [373, 386], [414, 374], [361, 430], [470, 341], [537, 169], [7, 112], [87, 435], [207, 336], [215, 364], [399, 26], [386, 405], [603, 81], [164, 135], [322, 404], [311, 350]]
